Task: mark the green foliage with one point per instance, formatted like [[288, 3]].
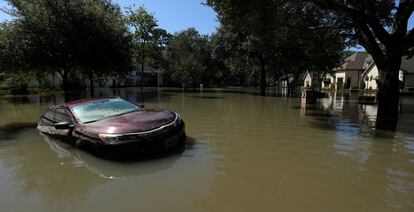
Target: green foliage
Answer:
[[187, 57], [276, 38], [17, 83], [381, 27], [61, 36], [361, 84], [148, 39], [12, 47]]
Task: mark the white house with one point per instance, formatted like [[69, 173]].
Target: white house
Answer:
[[348, 74], [406, 74], [152, 77], [311, 80], [283, 81]]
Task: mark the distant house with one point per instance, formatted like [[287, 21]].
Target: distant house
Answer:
[[152, 77], [283, 81], [52, 80], [348, 74], [312, 80], [406, 75]]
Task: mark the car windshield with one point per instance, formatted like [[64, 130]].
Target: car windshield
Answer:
[[103, 108]]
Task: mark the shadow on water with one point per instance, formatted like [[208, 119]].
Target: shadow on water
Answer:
[[18, 100], [208, 97], [13, 130]]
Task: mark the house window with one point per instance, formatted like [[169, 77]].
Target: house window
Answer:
[[348, 82]]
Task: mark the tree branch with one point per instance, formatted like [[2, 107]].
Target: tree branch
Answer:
[[369, 41], [404, 11], [368, 16]]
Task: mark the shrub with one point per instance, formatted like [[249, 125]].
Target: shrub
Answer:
[[361, 84], [17, 83]]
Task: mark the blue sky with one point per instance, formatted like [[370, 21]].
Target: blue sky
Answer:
[[177, 15], [172, 15]]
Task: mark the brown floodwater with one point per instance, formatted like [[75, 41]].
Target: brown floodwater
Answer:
[[244, 153]]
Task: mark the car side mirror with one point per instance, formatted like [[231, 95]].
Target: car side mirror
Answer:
[[63, 126]]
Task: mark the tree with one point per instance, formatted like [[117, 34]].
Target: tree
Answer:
[[64, 36], [148, 39], [256, 23], [381, 28], [316, 49], [232, 58], [186, 57], [279, 38], [11, 47]]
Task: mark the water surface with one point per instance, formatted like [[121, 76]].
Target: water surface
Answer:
[[244, 153]]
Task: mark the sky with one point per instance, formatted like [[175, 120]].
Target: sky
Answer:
[[172, 15], [177, 15]]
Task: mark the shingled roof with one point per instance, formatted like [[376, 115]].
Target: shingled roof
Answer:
[[407, 64], [357, 61]]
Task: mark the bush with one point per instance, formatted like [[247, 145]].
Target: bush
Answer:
[[17, 83], [361, 84]]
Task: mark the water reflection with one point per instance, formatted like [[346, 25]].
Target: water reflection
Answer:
[[248, 153], [388, 155], [69, 156]]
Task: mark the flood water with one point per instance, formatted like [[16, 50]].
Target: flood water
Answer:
[[244, 153]]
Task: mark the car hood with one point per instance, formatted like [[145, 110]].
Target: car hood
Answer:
[[139, 121]]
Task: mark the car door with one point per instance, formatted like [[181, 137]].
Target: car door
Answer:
[[46, 122], [62, 115]]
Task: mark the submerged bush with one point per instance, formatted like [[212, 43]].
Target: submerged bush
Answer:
[[17, 83]]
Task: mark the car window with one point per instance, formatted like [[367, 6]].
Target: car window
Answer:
[[48, 118], [103, 108], [62, 115]]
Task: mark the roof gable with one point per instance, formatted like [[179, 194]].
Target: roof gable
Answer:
[[407, 64], [357, 61]]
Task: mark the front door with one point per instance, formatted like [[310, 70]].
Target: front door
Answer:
[[340, 83]]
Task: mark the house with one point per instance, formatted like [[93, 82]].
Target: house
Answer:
[[152, 77], [407, 66], [348, 74], [311, 80], [356, 67], [406, 74], [283, 81], [52, 80]]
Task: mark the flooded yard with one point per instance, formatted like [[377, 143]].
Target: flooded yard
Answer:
[[244, 153]]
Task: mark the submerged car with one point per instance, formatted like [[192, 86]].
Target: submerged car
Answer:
[[113, 126]]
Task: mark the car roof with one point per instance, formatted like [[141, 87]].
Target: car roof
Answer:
[[82, 101]]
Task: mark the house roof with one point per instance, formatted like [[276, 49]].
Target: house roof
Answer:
[[357, 61], [407, 64], [368, 69]]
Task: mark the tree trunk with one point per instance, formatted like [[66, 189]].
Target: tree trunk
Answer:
[[142, 77], [64, 75], [388, 95], [262, 78], [91, 86], [288, 87]]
